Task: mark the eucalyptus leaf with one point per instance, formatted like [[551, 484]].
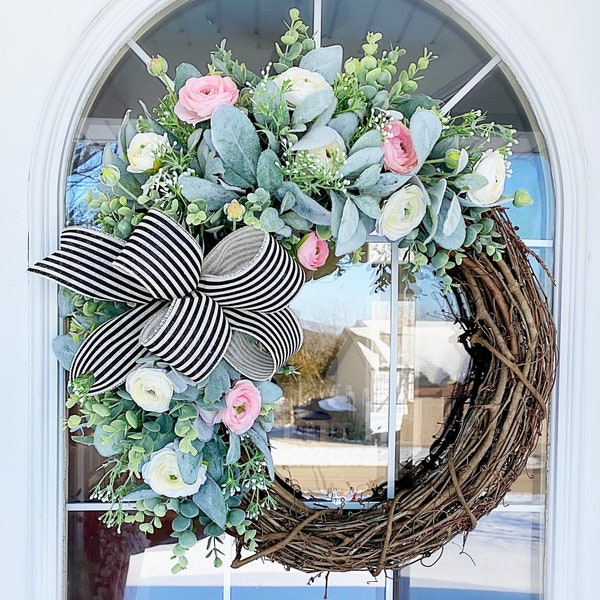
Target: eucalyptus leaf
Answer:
[[183, 72], [237, 143], [268, 171], [209, 499], [345, 124], [312, 106], [326, 61], [270, 221], [356, 163], [189, 466], [236, 517], [64, 348], [234, 452], [107, 443]]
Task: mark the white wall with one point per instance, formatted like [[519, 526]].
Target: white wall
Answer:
[[38, 36]]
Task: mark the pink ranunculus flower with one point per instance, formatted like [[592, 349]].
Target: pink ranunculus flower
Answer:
[[199, 97], [312, 252], [243, 406], [399, 153]]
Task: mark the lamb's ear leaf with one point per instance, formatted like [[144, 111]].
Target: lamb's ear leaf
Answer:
[[183, 72], [209, 499], [237, 143], [326, 61]]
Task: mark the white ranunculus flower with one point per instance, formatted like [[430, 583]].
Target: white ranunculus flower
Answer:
[[302, 84], [151, 389], [162, 474], [402, 212], [493, 167], [144, 151], [324, 143]]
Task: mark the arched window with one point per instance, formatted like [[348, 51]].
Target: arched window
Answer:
[[467, 74]]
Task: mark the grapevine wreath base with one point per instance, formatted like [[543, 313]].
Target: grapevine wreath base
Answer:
[[493, 426]]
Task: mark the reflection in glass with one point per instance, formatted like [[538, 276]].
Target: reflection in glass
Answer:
[[271, 581], [410, 24], [330, 435], [106, 565], [502, 559]]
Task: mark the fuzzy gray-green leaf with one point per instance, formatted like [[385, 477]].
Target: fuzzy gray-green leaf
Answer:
[[215, 195], [237, 143], [268, 172], [209, 499], [326, 61]]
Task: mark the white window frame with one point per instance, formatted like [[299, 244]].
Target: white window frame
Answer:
[[566, 558]]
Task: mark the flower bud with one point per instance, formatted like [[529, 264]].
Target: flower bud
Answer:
[[452, 157], [234, 210], [110, 175], [157, 66], [522, 198]]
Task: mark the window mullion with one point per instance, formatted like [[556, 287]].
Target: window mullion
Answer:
[[318, 21]]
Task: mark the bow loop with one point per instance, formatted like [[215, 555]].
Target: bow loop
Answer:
[[249, 270], [191, 334], [162, 256]]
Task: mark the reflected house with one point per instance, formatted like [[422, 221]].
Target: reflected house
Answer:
[[430, 359]]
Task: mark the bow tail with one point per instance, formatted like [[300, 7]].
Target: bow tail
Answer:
[[262, 342], [84, 264], [191, 334], [111, 351]]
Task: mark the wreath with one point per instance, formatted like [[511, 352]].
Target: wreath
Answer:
[[210, 213]]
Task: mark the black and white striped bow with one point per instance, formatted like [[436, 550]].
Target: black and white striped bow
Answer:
[[190, 311]]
